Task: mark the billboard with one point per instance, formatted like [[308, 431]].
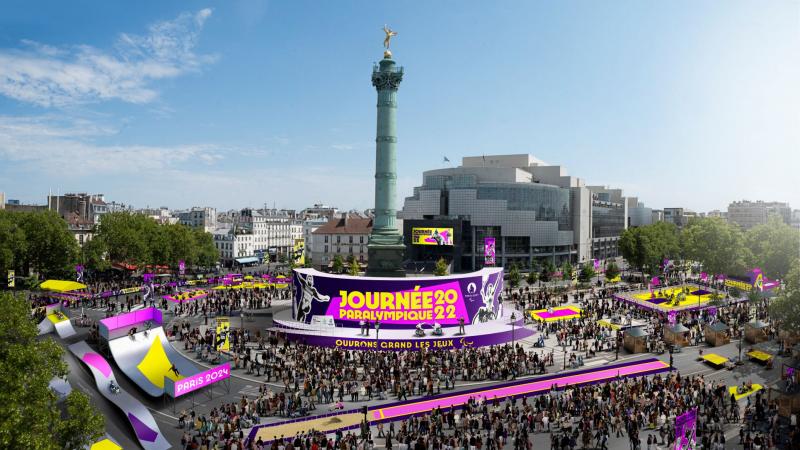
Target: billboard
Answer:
[[398, 302], [299, 252], [192, 383], [223, 330], [488, 251], [757, 281], [431, 236]]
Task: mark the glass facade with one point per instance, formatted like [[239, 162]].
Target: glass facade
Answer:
[[607, 221], [550, 203]]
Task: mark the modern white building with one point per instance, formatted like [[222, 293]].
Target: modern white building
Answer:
[[638, 214], [748, 214], [343, 236], [533, 210]]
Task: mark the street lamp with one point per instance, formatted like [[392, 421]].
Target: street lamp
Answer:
[[513, 327]]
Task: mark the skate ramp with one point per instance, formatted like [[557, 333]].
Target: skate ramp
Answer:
[[144, 425], [146, 360]]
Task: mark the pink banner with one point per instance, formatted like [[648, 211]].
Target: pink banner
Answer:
[[489, 251], [201, 380]]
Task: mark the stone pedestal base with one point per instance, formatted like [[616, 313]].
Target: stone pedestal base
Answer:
[[385, 261]]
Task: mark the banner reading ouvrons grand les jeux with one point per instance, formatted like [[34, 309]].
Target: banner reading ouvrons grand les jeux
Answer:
[[398, 302]]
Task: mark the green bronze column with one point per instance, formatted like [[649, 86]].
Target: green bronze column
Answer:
[[386, 247]]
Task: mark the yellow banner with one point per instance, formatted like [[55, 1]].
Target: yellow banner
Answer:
[[299, 252], [222, 341], [11, 282]]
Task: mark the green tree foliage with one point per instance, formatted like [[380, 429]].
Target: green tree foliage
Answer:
[[566, 271], [353, 267], [785, 309], [338, 264], [38, 242], [716, 244], [513, 275], [440, 269], [531, 278], [125, 237], [587, 273], [612, 270], [547, 271], [773, 247], [646, 247], [29, 416]]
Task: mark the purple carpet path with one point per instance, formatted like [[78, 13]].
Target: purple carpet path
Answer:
[[658, 300], [529, 388], [532, 387]]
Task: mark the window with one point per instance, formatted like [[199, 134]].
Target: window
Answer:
[[361, 239], [351, 239], [326, 239], [338, 239]]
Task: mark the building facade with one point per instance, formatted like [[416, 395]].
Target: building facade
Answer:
[[201, 218], [678, 216], [533, 210], [342, 236], [748, 214]]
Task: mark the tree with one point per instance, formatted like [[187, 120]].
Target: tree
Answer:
[[440, 269], [547, 271], [587, 273], [612, 271], [531, 278], [29, 416], [338, 264], [646, 247], [773, 246], [785, 309], [353, 266], [513, 275], [207, 252], [716, 244], [566, 271], [94, 254]]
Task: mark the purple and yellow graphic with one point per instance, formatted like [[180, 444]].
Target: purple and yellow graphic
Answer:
[[188, 296], [398, 302], [557, 313], [431, 236]]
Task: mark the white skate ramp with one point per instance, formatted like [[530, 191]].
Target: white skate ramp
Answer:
[[142, 421], [147, 360]]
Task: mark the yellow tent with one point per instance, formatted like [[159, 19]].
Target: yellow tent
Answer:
[[61, 286]]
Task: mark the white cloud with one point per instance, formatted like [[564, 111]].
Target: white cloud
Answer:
[[53, 145], [342, 147], [50, 76]]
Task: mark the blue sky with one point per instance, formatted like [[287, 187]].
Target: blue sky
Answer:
[[241, 103]]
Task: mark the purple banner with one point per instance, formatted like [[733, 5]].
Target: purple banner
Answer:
[[686, 430], [489, 251], [182, 267], [448, 343], [129, 319], [596, 264], [398, 302], [198, 381]]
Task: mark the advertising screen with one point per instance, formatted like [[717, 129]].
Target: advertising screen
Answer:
[[432, 236], [398, 302], [488, 251]]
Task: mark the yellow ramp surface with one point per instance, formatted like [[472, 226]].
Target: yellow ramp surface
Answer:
[[734, 390], [155, 365], [105, 444], [759, 355], [61, 286], [715, 359], [55, 319]]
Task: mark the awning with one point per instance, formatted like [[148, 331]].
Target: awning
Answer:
[[61, 286], [247, 260]]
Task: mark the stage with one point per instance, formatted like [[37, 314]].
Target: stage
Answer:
[[663, 300], [482, 334]]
